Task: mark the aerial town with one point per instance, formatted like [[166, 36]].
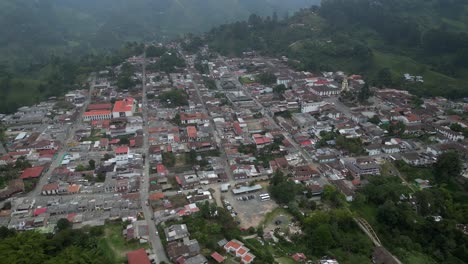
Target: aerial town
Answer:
[[214, 132]]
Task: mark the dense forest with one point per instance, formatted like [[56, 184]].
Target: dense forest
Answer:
[[65, 246], [381, 39]]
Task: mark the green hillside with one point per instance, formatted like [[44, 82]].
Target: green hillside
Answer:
[[33, 30], [380, 39]]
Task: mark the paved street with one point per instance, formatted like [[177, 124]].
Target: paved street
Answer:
[[156, 244], [58, 158]]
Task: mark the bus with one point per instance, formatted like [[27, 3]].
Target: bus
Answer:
[[265, 198]]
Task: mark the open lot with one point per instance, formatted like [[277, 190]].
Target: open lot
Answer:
[[115, 245], [278, 218], [251, 212]]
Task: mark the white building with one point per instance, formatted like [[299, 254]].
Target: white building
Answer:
[[124, 108]]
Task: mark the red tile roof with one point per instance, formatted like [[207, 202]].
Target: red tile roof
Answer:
[[74, 188], [121, 150], [192, 131], [193, 116], [71, 217], [32, 173], [178, 180], [160, 168], [247, 258], [97, 113], [138, 256], [125, 105], [40, 211], [260, 140], [413, 118], [232, 244], [156, 196], [216, 256], [114, 141], [50, 187], [238, 128], [241, 251]]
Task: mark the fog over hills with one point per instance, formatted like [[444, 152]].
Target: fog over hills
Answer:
[[34, 29]]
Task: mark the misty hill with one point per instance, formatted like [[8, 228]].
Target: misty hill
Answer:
[[380, 39], [32, 30]]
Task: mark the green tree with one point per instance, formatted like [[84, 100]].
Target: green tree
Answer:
[[397, 128], [447, 167], [63, 224], [332, 195], [174, 98], [266, 78], [388, 213], [124, 140], [101, 177], [25, 247], [322, 239], [153, 51], [375, 120], [278, 177], [168, 159], [285, 192], [456, 127], [176, 120], [80, 167], [364, 93], [192, 157], [279, 89], [91, 164], [384, 77]]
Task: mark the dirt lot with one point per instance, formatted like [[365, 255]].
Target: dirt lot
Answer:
[[250, 212]]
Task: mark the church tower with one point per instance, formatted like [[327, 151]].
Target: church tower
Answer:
[[344, 85]]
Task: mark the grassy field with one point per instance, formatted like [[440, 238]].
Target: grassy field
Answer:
[[411, 173], [245, 80], [115, 245], [271, 215], [400, 65]]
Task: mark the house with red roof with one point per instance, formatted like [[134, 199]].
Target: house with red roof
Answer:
[[97, 115], [40, 211], [247, 258], [31, 173], [122, 153], [161, 169], [261, 141], [124, 108], [194, 118], [239, 250], [138, 256], [233, 245], [217, 257], [50, 189], [101, 123], [238, 128], [95, 107], [410, 119]]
